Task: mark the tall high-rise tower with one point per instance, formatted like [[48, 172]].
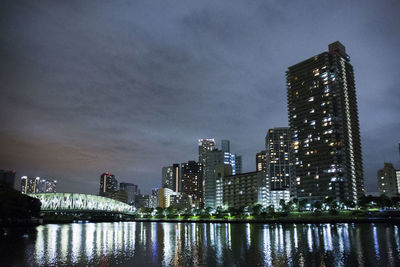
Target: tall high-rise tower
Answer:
[[204, 146], [261, 161], [323, 118], [171, 177], [108, 184], [213, 158], [278, 161], [192, 181]]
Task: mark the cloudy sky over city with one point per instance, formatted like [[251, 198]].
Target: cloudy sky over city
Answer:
[[129, 86]]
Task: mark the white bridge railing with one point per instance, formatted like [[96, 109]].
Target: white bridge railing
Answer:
[[83, 202]]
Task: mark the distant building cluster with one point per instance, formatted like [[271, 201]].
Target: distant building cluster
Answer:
[[389, 181], [316, 157], [199, 183], [32, 185], [125, 192]]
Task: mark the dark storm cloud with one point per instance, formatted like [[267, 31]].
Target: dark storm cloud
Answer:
[[88, 86]]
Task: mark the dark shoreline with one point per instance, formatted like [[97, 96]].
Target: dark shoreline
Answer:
[[236, 221], [277, 220], [315, 220]]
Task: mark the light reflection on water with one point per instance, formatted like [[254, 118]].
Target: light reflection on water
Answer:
[[188, 244]]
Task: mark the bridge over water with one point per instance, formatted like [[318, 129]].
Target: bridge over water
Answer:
[[82, 206]]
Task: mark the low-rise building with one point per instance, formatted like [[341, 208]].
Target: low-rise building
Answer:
[[146, 201], [275, 196], [164, 197], [181, 201], [243, 189], [120, 195], [132, 190], [387, 181]]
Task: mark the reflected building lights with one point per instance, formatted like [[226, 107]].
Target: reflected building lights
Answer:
[[99, 234], [194, 233], [281, 242], [52, 243], [327, 237], [346, 239], [205, 235], [118, 237], [126, 238], [177, 244], [167, 244], [248, 235], [276, 243], [76, 242], [295, 237], [376, 244], [219, 243], [89, 240], [309, 238], [104, 237], [180, 244], [396, 238], [154, 241], [109, 241], [39, 246], [358, 249], [288, 245], [143, 235], [229, 236], [389, 246], [65, 230], [340, 232], [316, 236], [267, 246], [212, 234], [132, 238]]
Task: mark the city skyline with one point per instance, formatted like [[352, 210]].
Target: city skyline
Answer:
[[85, 114]]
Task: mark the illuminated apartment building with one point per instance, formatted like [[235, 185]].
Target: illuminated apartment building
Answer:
[[192, 181], [171, 177], [387, 181], [278, 164], [32, 185], [261, 161], [108, 184], [323, 118]]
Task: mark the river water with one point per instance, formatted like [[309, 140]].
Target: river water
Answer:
[[201, 244]]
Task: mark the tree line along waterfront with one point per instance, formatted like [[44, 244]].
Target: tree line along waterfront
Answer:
[[20, 209], [17, 208], [368, 208]]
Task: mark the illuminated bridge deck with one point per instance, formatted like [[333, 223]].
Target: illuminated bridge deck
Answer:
[[74, 202]]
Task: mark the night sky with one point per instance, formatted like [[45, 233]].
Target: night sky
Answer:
[[129, 86]]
